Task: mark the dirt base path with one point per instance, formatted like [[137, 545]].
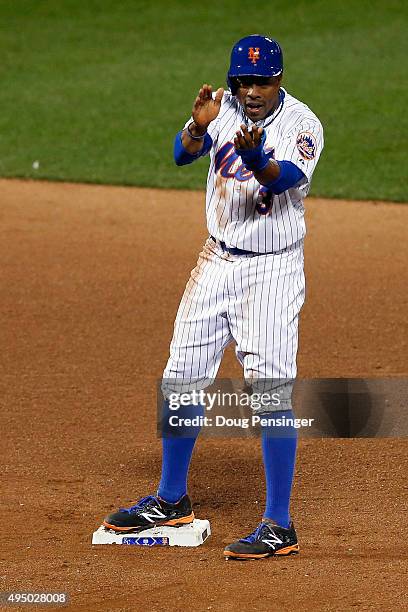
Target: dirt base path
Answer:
[[91, 279]]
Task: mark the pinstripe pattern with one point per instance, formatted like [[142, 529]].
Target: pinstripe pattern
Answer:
[[252, 299]]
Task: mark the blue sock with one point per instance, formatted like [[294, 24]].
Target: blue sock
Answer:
[[178, 444], [279, 456]]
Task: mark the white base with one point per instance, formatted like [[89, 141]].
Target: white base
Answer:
[[192, 534]]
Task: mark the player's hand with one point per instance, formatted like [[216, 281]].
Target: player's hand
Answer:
[[206, 108], [248, 140]]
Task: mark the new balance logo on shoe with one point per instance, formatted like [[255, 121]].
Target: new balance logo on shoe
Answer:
[[271, 540], [153, 515]]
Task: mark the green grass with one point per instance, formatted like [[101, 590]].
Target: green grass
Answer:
[[96, 90]]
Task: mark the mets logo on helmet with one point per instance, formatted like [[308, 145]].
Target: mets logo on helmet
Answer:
[[306, 145], [253, 54]]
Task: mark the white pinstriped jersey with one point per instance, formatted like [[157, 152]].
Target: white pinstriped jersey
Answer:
[[293, 133], [252, 299]]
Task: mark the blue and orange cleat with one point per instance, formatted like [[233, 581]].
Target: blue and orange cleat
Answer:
[[151, 511], [267, 540]]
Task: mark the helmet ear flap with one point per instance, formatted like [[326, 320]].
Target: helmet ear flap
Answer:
[[232, 84]]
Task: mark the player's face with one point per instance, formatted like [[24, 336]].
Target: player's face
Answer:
[[258, 95]]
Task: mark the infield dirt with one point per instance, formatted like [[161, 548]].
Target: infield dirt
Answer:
[[91, 280]]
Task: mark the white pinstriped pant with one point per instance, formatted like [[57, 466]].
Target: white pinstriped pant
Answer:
[[252, 299]]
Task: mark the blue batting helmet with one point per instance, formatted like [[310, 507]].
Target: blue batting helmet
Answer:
[[254, 55]]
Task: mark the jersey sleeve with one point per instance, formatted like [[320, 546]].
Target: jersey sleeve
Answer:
[[302, 146]]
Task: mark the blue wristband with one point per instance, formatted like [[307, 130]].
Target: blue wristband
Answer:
[[255, 159], [183, 157]]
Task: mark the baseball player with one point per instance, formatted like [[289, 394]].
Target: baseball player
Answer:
[[248, 285]]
